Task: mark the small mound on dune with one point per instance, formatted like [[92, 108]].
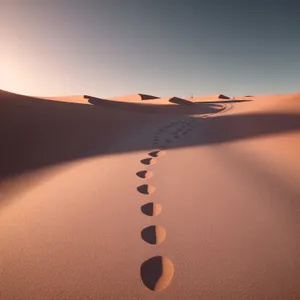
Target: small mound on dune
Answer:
[[147, 97], [204, 98], [180, 101], [134, 97], [221, 96]]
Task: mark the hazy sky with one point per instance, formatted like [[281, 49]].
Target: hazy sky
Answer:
[[160, 47]]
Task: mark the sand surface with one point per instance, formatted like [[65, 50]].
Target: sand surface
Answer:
[[138, 197]]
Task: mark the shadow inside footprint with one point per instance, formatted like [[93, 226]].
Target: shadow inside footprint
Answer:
[[153, 234], [151, 209], [148, 161], [144, 174], [146, 189], [157, 153], [157, 273]]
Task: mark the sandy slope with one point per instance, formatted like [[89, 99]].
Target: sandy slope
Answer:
[[227, 184]]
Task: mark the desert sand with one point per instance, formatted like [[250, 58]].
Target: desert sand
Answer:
[[142, 197]]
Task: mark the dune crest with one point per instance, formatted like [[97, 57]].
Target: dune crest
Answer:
[[134, 97]]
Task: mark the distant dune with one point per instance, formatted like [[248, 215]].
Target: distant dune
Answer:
[[221, 96], [209, 97], [70, 99], [134, 97], [80, 98], [124, 198]]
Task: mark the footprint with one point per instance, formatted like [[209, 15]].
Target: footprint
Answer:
[[148, 161], [146, 189], [144, 174], [157, 153], [151, 209], [154, 235], [157, 273]]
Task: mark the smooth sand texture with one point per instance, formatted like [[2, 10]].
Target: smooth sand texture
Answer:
[[88, 186]]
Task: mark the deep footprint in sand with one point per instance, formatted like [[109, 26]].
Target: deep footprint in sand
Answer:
[[145, 174], [146, 189], [157, 273], [151, 209], [153, 235], [148, 161], [157, 153]]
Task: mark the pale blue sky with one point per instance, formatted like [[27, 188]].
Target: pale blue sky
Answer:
[[163, 48]]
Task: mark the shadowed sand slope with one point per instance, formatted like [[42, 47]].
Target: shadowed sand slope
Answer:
[[51, 132], [181, 101], [164, 105]]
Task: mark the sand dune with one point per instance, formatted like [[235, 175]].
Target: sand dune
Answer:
[[209, 98], [134, 98], [136, 197], [71, 99]]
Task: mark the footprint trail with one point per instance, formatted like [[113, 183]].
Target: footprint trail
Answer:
[[156, 272]]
